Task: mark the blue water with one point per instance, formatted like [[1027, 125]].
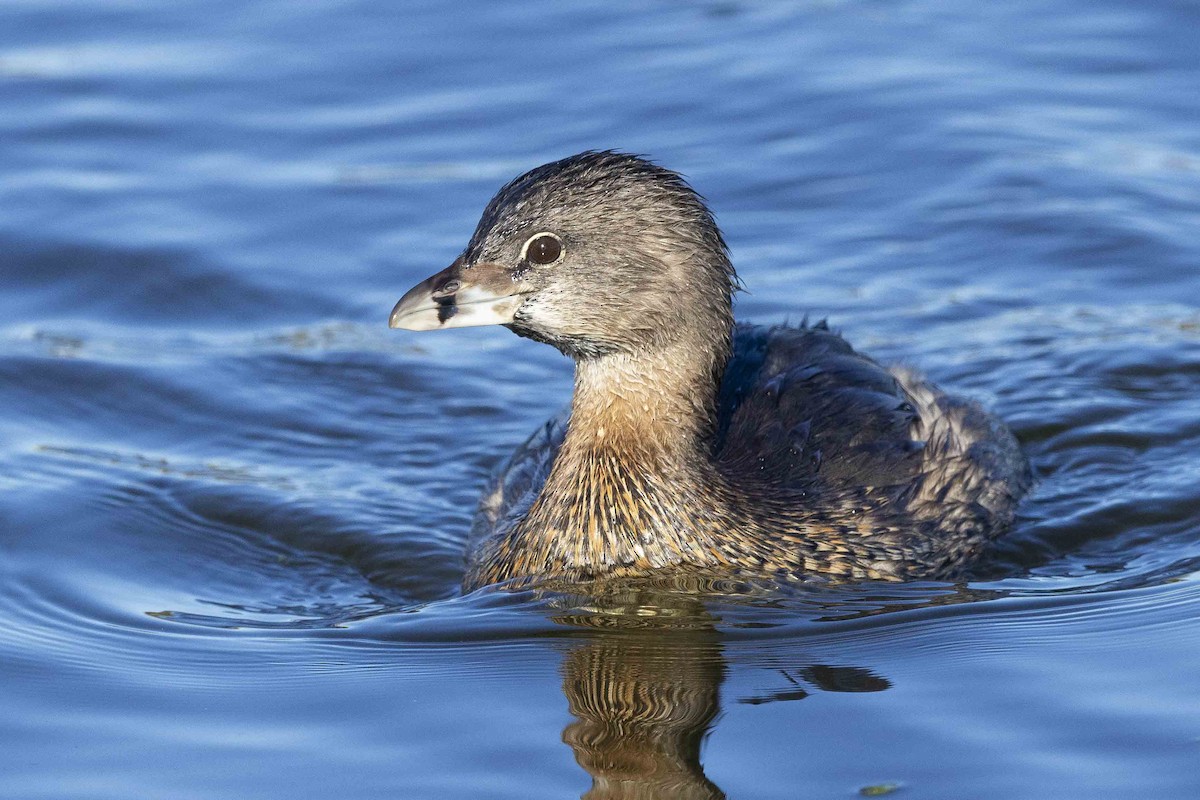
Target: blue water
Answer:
[[233, 504]]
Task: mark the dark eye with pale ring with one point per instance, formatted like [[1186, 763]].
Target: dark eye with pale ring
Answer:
[[544, 248]]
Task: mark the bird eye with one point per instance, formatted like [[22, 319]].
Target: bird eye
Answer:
[[545, 248]]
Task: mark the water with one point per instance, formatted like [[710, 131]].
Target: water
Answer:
[[232, 503]]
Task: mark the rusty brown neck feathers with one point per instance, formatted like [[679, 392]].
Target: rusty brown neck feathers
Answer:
[[632, 488]]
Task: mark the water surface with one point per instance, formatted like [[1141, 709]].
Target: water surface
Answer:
[[232, 503]]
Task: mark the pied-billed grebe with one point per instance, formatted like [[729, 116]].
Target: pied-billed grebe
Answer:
[[692, 444]]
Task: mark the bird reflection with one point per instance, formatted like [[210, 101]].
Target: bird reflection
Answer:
[[643, 687], [643, 700]]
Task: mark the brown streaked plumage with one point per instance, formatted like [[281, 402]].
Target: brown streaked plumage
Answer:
[[693, 445]]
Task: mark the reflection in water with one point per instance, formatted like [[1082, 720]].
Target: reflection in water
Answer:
[[645, 692], [642, 706], [826, 678]]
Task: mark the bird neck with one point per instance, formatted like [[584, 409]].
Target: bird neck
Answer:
[[660, 403], [633, 483]]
